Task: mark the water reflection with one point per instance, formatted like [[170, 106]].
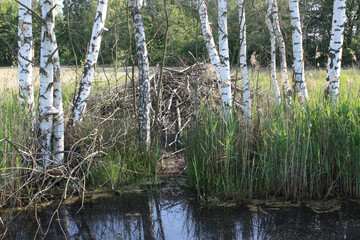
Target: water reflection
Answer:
[[165, 216]]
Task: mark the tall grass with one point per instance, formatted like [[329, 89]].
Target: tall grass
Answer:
[[296, 152], [14, 125]]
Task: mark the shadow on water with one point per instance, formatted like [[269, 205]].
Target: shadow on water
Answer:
[[166, 216]]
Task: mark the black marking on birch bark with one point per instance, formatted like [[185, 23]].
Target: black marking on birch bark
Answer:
[[50, 85], [24, 70], [99, 16], [224, 14], [42, 96], [135, 11], [223, 60], [43, 71], [331, 56], [341, 8]]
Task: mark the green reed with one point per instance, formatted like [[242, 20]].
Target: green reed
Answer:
[[297, 152]]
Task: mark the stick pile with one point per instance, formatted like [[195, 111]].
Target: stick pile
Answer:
[[184, 91]]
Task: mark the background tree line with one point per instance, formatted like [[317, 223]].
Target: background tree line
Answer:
[[73, 31]]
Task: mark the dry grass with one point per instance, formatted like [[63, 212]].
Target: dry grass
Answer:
[[106, 75]]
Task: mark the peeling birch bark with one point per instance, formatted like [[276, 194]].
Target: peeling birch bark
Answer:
[[46, 95], [273, 51], [144, 82], [243, 63], [90, 64], [297, 39], [282, 48], [335, 50], [25, 56], [224, 57]]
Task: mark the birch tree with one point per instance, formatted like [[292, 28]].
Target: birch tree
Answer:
[[144, 82], [90, 64], [46, 95], [209, 40], [243, 63], [281, 45], [335, 50], [273, 50], [58, 121], [25, 56], [51, 119], [297, 40], [224, 56], [224, 87]]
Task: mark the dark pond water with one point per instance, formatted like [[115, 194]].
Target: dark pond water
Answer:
[[177, 216]]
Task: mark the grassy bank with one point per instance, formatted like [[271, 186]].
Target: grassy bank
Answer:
[[296, 152], [101, 153]]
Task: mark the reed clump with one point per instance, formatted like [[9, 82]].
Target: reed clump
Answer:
[[296, 152]]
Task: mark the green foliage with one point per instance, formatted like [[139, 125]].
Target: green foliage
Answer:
[[8, 31], [73, 29]]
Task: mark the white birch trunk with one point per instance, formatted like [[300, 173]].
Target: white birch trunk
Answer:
[[46, 109], [335, 50], [90, 64], [299, 71], [144, 82], [281, 44], [25, 56], [224, 57], [273, 51], [243, 63], [58, 121], [209, 40]]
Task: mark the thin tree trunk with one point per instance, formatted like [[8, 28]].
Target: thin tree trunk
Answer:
[[159, 92], [281, 44], [90, 64], [209, 40], [273, 51], [131, 57], [335, 50], [299, 71], [58, 121], [46, 95], [243, 64], [224, 56], [25, 56], [144, 82]]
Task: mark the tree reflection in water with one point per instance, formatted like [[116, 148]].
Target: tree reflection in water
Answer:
[[165, 216]]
